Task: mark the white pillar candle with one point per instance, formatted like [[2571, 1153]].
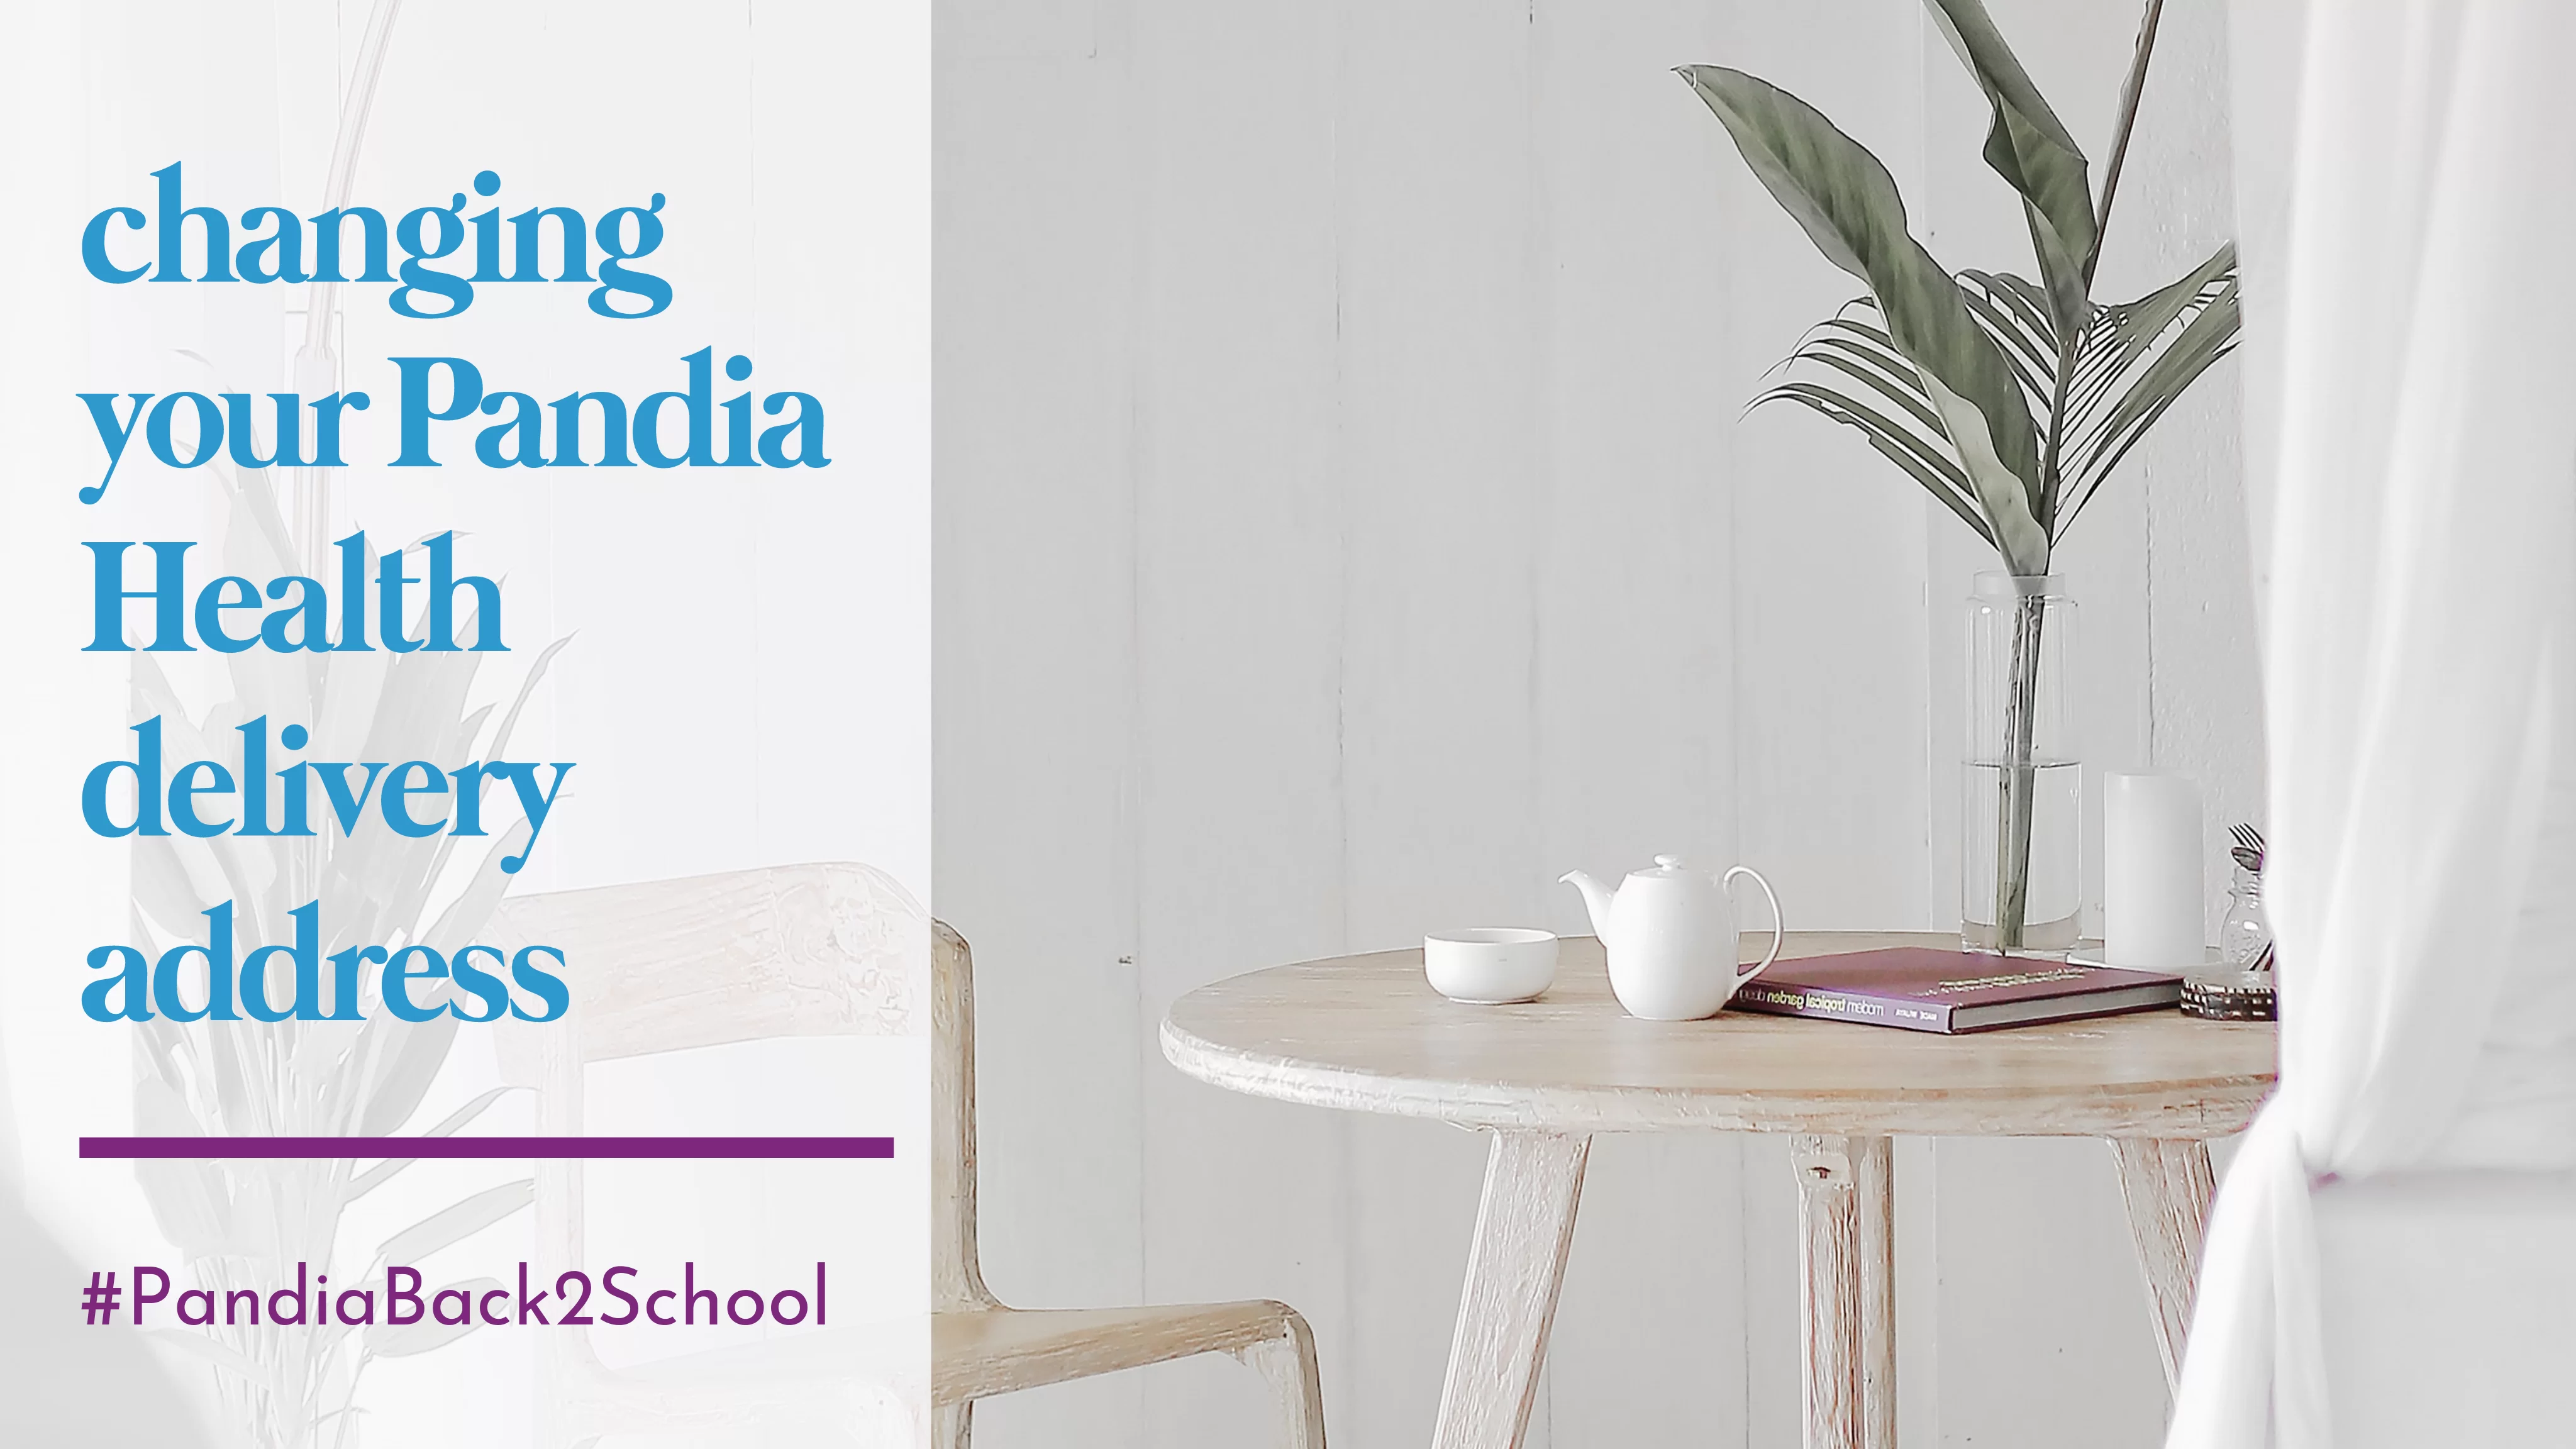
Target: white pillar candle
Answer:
[[2151, 883]]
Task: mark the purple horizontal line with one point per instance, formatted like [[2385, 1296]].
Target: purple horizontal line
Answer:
[[481, 1147]]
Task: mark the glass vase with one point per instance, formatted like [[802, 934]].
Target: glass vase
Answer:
[[2020, 803]]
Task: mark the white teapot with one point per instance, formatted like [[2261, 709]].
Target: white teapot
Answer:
[[1671, 935]]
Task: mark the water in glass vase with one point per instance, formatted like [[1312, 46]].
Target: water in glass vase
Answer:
[[2018, 811], [2052, 907]]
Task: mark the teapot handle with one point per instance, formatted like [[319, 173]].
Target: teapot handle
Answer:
[[1779, 926]]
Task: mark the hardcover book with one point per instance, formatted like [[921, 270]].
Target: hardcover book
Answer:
[[1921, 989]]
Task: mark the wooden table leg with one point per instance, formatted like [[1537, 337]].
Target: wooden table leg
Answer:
[[2167, 1187], [1847, 1276], [1523, 1227]]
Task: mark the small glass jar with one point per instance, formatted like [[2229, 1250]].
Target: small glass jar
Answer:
[[2240, 987], [2245, 937]]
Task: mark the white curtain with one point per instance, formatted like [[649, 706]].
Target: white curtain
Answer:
[[2423, 774]]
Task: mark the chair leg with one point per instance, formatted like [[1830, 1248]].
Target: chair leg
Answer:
[[952, 1425], [1287, 1364]]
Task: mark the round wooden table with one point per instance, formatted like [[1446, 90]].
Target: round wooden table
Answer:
[[1367, 1033]]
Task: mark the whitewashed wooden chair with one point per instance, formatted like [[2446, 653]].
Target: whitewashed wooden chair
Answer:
[[820, 950], [794, 951], [980, 1347]]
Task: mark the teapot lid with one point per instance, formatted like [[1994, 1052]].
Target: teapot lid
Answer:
[[1666, 867]]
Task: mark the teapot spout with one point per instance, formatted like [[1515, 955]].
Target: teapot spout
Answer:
[[1596, 899]]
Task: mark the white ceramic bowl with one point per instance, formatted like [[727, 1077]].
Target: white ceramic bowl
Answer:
[[1490, 967]]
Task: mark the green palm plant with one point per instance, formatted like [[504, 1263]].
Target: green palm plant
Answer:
[[2010, 401]]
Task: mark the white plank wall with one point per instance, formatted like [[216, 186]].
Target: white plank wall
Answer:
[[1239, 568], [1636, 666], [1438, 468], [1035, 264], [1345, 525]]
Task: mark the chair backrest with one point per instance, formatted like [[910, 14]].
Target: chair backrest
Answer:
[[806, 950], [798, 950]]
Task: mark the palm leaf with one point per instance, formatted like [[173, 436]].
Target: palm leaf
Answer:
[[2131, 363], [405, 1064], [375, 1177], [1846, 345], [2209, 335], [2029, 300], [187, 1196], [1849, 207], [2159, 309], [2028, 147], [1939, 476], [2018, 312], [1915, 439], [1849, 350], [2032, 367], [401, 1340], [465, 915], [221, 1355], [456, 1222], [2122, 335]]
